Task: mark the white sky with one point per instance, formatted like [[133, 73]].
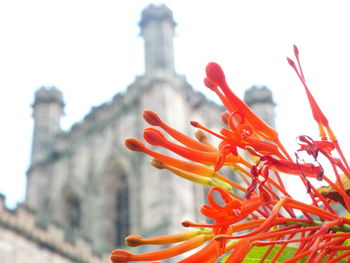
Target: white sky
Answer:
[[90, 49]]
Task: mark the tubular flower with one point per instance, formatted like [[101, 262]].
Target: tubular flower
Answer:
[[233, 211], [157, 138], [259, 217], [216, 75], [119, 256]]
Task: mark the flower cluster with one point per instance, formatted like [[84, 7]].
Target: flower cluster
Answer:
[[259, 215]]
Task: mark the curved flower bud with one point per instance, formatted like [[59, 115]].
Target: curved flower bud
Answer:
[[196, 178], [153, 119], [216, 75], [122, 256], [156, 138], [135, 145], [136, 240]]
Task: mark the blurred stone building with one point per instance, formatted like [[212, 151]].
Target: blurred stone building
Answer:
[[85, 190]]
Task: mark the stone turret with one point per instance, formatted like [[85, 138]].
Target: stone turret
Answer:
[[47, 112], [260, 100], [157, 28]]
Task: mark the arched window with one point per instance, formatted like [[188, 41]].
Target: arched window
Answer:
[[122, 224], [73, 211], [115, 203]]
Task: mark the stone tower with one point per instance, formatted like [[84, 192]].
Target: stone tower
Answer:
[[47, 112], [89, 184], [157, 28]]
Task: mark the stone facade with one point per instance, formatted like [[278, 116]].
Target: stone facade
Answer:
[[21, 240], [86, 191]]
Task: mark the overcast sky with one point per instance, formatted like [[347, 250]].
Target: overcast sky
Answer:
[[91, 50]]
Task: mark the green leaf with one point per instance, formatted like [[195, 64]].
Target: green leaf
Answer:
[[256, 253]]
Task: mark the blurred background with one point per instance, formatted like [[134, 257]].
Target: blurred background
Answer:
[[91, 50]]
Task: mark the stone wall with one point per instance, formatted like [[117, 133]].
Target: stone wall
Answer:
[[21, 240], [79, 182]]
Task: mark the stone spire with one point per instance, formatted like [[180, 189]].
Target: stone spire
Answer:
[[157, 28], [260, 100], [47, 112]]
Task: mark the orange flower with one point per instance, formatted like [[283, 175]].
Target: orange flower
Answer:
[[157, 138], [216, 75], [232, 211], [136, 240], [153, 119], [318, 115], [240, 251], [122, 256], [204, 180], [268, 210], [202, 170]]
